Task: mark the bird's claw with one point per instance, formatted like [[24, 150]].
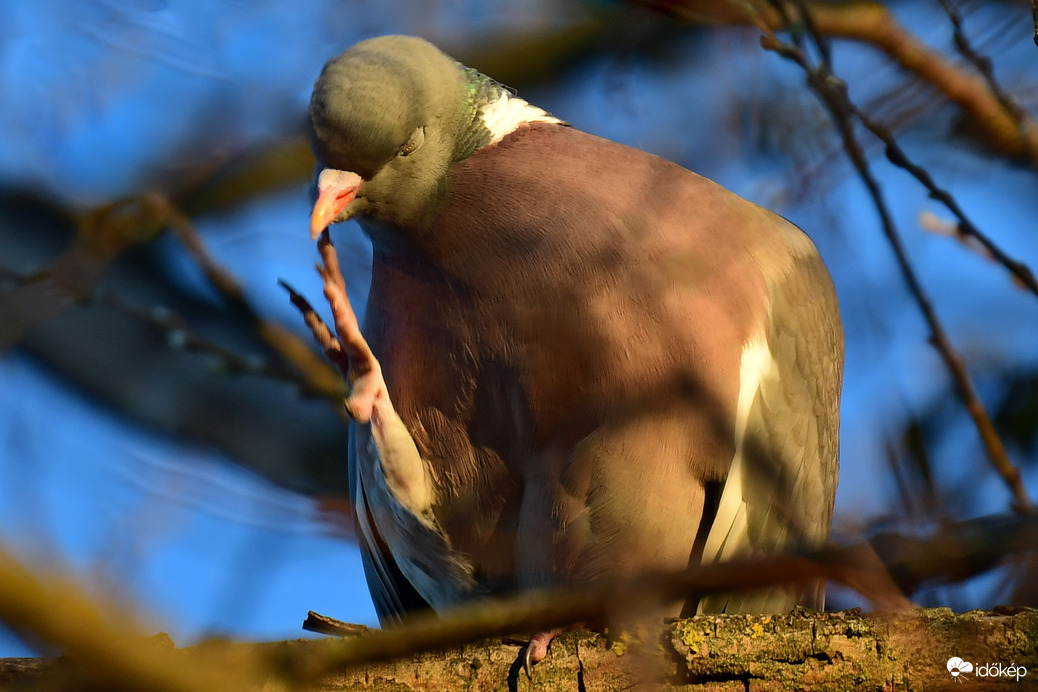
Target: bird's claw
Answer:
[[536, 649]]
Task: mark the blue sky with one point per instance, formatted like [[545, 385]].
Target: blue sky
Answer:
[[99, 95]]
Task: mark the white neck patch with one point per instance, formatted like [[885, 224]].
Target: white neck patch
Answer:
[[504, 115]]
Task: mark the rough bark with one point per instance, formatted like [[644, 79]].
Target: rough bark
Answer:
[[803, 650]]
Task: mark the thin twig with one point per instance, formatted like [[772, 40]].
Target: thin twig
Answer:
[[322, 624], [833, 93], [986, 68], [318, 377], [181, 336], [322, 332], [221, 279], [896, 155], [873, 23]]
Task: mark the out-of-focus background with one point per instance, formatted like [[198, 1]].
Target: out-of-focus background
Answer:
[[163, 439]]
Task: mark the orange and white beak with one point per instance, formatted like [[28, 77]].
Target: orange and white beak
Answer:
[[335, 189]]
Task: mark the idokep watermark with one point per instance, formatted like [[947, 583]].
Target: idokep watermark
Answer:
[[964, 670]]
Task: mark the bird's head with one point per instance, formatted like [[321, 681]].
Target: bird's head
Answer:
[[389, 117]]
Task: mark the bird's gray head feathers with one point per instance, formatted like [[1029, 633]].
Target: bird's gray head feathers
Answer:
[[398, 112]]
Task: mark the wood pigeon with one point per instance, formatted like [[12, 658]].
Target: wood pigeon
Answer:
[[595, 362]]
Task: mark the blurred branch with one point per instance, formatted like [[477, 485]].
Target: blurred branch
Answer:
[[114, 355], [180, 336], [1034, 17], [872, 23], [833, 93], [102, 647], [101, 236], [277, 166], [984, 65], [928, 492], [106, 233], [956, 552], [316, 375]]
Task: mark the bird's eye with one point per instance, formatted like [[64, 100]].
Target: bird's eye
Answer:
[[414, 142]]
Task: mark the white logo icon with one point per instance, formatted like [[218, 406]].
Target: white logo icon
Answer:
[[957, 667]]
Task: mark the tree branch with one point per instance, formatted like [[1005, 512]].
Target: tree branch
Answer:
[[872, 23], [799, 649]]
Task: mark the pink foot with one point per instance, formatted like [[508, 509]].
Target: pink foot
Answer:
[[364, 377], [537, 648]]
